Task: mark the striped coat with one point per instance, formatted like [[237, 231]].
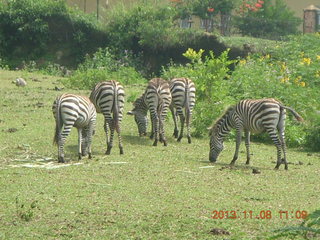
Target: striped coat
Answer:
[[252, 116], [156, 99], [69, 111], [108, 98], [183, 93]]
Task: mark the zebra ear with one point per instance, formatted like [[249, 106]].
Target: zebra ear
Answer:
[[130, 113]]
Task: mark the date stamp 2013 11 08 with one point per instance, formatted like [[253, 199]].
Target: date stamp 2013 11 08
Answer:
[[263, 214]]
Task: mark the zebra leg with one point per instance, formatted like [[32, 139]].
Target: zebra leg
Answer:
[[238, 142], [176, 131], [106, 126], [120, 139], [274, 136], [110, 144], [89, 137], [283, 146], [80, 143], [182, 120], [155, 121], [188, 118], [247, 142], [152, 127], [61, 141], [161, 130]]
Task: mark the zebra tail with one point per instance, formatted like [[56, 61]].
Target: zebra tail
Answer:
[[295, 114], [58, 122], [115, 108]]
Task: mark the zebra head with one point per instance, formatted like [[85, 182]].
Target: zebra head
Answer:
[[141, 120], [216, 145]]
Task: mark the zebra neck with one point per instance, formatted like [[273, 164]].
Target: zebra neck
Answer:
[[225, 126], [141, 105]]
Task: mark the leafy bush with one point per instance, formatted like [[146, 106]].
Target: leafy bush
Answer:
[[102, 66], [290, 78], [266, 19], [211, 78], [308, 229], [32, 29]]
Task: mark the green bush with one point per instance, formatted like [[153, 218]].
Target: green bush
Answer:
[[210, 75], [265, 19], [102, 66], [290, 78], [38, 29]]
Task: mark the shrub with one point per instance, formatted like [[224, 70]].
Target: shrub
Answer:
[[102, 66], [32, 29], [211, 79], [266, 20]]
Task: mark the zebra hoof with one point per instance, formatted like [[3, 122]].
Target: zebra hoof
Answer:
[[179, 139], [121, 151], [89, 156], [155, 144], [189, 140], [61, 160], [80, 156], [165, 143]]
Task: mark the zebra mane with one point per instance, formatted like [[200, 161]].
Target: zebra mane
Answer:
[[215, 126]]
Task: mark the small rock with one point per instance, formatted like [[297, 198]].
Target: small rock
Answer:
[[39, 104], [256, 171], [11, 130], [219, 231], [20, 82], [300, 163]]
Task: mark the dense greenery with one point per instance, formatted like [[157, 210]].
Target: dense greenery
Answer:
[[104, 65], [46, 30], [266, 19], [294, 80]]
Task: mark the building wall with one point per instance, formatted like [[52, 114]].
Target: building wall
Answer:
[[298, 5]]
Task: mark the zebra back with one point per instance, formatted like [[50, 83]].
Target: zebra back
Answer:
[[78, 110], [108, 97], [183, 94]]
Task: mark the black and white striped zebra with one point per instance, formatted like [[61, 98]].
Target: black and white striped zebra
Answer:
[[183, 93], [69, 111], [157, 99], [252, 116], [108, 98]]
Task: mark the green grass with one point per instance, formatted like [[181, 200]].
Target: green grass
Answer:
[[152, 193]]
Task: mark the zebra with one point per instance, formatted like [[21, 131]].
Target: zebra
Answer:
[[108, 98], [69, 111], [252, 116], [157, 99], [183, 96]]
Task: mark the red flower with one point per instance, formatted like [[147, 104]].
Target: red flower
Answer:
[[258, 5], [261, 2], [248, 5], [210, 9]]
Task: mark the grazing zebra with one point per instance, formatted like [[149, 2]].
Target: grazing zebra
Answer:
[[252, 116], [108, 98], [69, 111], [156, 98], [183, 96]]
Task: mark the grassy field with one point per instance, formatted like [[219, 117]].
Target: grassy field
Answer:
[[147, 193]]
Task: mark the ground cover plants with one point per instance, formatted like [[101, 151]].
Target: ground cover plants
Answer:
[[148, 193]]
